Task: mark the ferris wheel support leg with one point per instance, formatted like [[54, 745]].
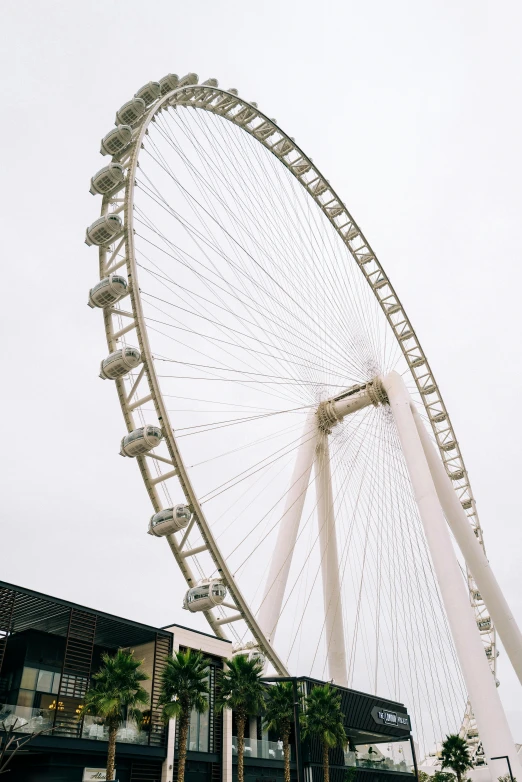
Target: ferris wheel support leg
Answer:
[[333, 613], [474, 554], [483, 694], [288, 529]]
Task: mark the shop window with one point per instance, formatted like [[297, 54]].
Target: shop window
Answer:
[[45, 681], [198, 734], [40, 680], [29, 677], [385, 755], [25, 698]]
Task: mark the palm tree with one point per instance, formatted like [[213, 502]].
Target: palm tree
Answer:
[[116, 695], [242, 691], [184, 687], [324, 719], [455, 755], [279, 716]]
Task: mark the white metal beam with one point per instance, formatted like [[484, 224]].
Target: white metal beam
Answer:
[[288, 529], [483, 694], [333, 614], [473, 553]]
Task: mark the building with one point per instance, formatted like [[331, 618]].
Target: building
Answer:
[[49, 648]]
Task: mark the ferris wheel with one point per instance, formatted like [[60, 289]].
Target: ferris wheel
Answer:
[[277, 401]]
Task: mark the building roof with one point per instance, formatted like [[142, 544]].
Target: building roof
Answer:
[[199, 632], [34, 610]]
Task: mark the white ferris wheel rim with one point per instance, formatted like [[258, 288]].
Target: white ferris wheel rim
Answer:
[[247, 116]]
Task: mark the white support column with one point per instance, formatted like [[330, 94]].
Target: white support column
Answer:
[[484, 698], [227, 746], [334, 631], [288, 529], [167, 769], [474, 554], [252, 731]]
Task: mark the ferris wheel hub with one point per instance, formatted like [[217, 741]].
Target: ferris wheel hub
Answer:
[[332, 411]]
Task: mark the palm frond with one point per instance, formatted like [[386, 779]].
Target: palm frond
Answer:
[[241, 688]]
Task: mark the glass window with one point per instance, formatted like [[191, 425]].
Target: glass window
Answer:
[[192, 739], [45, 681], [199, 732], [388, 756], [29, 678], [203, 732], [56, 683], [25, 698]]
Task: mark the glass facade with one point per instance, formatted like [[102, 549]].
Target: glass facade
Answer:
[[198, 735], [268, 750], [384, 755], [34, 685]]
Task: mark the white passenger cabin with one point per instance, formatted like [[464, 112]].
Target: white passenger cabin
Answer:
[[140, 441], [108, 291], [119, 363], [205, 596], [170, 520]]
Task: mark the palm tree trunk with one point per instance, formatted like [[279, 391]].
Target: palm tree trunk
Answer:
[[182, 745], [111, 752], [240, 748], [326, 764], [286, 754]]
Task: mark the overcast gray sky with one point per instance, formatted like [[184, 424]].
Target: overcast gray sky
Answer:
[[412, 110]]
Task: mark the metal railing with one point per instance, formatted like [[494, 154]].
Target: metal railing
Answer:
[[268, 750], [28, 720]]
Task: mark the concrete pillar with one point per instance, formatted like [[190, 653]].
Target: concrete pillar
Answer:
[[227, 745]]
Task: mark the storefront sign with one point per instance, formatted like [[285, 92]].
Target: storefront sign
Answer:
[[392, 718], [95, 773]]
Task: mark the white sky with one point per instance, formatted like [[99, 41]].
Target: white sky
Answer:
[[411, 109]]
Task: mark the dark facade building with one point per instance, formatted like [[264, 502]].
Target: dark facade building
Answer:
[[380, 744], [49, 649]]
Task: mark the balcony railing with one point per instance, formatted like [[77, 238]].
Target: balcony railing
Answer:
[[27, 720], [269, 750], [128, 733], [395, 756]]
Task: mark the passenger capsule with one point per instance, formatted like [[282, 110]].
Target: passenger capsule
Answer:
[[119, 363], [149, 92], [484, 624], [190, 78], [210, 83], [116, 140], [450, 445], [108, 178], [108, 291], [457, 475], [140, 441], [170, 520], [205, 596], [130, 112], [103, 230], [168, 83]]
